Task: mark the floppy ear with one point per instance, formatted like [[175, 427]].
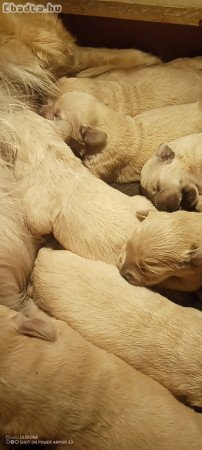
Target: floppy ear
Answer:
[[190, 196], [141, 215], [43, 329], [165, 153], [93, 137]]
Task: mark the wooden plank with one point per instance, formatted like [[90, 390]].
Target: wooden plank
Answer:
[[184, 12]]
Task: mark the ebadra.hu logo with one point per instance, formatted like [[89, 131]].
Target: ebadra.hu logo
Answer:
[[10, 7]]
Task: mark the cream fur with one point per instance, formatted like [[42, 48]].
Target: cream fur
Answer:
[[130, 141], [163, 251], [148, 88], [183, 170], [70, 390], [90, 62], [60, 196], [154, 335], [17, 249], [189, 64], [17, 254], [36, 47]]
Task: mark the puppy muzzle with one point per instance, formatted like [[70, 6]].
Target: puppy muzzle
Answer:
[[167, 201]]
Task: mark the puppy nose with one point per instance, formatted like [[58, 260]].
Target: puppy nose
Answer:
[[169, 203]]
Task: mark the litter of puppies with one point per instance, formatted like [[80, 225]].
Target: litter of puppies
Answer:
[[93, 353]]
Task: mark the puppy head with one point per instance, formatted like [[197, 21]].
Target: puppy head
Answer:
[[83, 115], [165, 182], [160, 248]]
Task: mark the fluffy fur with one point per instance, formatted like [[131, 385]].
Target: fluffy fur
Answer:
[[36, 47], [70, 390], [17, 250], [130, 141], [161, 339], [59, 194], [171, 178], [148, 88], [17, 254], [165, 249]]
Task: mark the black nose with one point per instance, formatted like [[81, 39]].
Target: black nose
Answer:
[[169, 203]]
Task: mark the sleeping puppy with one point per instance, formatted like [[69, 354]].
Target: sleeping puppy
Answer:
[[60, 196], [114, 146], [172, 178], [17, 249], [153, 87], [69, 390], [165, 250], [138, 325], [17, 254]]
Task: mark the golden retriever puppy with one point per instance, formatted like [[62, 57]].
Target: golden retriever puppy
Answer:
[[154, 87], [114, 146], [71, 391], [17, 249], [165, 249], [172, 177], [61, 196], [17, 254], [140, 326]]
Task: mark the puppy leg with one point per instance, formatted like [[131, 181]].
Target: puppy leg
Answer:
[[100, 60]]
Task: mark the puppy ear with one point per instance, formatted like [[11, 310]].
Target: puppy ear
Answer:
[[43, 329], [190, 196], [165, 153], [141, 215], [93, 137]]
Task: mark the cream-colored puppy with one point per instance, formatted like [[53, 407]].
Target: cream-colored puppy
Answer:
[[154, 335], [71, 391], [172, 177], [114, 146], [61, 196], [17, 254], [17, 249], [149, 88], [165, 249]]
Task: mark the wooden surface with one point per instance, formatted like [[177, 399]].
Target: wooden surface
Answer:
[[186, 12]]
